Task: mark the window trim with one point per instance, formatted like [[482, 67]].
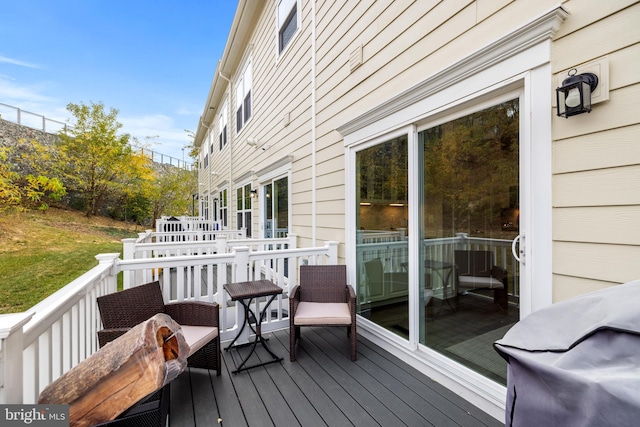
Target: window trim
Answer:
[[223, 210], [223, 128], [281, 49], [247, 95]]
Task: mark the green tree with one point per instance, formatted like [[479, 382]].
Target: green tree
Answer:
[[9, 191], [98, 163], [173, 191], [27, 176]]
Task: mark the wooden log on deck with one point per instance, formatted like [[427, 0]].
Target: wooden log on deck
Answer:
[[121, 373]]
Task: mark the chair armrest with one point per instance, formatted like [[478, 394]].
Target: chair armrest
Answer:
[[107, 335], [351, 300], [294, 299], [498, 272], [193, 313]]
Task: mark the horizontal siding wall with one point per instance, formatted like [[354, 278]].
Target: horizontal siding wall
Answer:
[[403, 43], [596, 159], [596, 156]]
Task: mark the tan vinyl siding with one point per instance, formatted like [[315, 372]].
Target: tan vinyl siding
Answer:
[[403, 43], [607, 263], [569, 287], [593, 151], [596, 156], [605, 224]]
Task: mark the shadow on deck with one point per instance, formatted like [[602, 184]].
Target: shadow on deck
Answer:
[[322, 388]]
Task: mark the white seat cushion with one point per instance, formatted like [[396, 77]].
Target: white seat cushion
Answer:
[[320, 313], [475, 282], [198, 336]]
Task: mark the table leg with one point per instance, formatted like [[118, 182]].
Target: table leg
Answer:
[[258, 337], [244, 323]]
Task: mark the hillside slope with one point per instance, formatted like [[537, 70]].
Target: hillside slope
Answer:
[[40, 252]]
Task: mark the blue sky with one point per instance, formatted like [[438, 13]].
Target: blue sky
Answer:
[[153, 61]]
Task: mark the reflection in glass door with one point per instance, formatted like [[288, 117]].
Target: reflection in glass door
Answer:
[[382, 238], [469, 218]]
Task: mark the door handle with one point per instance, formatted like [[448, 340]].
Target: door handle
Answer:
[[517, 254]]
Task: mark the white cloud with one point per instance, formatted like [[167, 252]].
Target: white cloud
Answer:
[[160, 132], [17, 62], [189, 111], [12, 92]]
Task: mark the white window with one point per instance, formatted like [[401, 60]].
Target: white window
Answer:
[[223, 203], [243, 98], [222, 127], [287, 22]]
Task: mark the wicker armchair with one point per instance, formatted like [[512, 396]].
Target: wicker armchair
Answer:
[[476, 270], [122, 310], [322, 298]]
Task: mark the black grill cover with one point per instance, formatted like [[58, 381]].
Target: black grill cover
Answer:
[[577, 362]]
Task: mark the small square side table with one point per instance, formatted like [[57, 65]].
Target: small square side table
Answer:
[[245, 293]]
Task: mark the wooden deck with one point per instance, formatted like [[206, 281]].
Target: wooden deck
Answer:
[[322, 388]]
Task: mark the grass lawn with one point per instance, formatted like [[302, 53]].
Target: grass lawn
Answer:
[[40, 252]]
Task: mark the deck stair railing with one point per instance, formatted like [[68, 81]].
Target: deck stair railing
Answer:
[[39, 345]]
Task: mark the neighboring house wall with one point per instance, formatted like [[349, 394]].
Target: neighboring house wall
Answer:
[[596, 156]]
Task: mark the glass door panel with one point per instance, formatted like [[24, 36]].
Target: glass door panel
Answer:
[[281, 207], [469, 218], [276, 208], [382, 243], [268, 211]]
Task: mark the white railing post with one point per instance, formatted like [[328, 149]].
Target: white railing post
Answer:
[[293, 240], [221, 244], [128, 252], [461, 241], [112, 279], [241, 264], [333, 252], [11, 346]]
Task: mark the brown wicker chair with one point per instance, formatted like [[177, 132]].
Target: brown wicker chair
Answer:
[[476, 270], [122, 310], [322, 298]]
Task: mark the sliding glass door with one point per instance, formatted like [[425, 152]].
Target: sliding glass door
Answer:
[[467, 210]]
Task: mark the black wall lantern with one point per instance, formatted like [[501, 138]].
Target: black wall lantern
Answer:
[[574, 95]]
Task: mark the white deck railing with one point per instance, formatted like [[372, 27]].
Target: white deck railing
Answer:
[[394, 254], [171, 232], [138, 248], [39, 345]]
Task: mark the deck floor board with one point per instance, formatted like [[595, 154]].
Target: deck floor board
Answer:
[[322, 388]]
